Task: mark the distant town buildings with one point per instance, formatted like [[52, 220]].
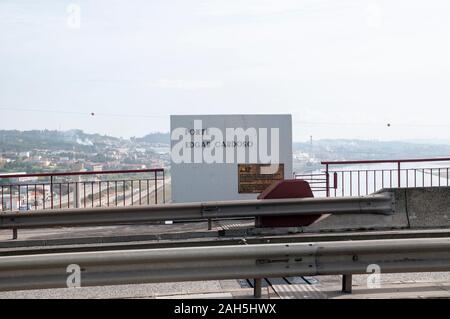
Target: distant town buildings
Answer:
[[104, 153]]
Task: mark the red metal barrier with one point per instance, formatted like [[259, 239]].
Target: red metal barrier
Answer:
[[60, 190], [357, 182], [289, 188]]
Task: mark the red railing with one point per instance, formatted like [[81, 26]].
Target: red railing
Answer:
[[72, 190], [358, 182]]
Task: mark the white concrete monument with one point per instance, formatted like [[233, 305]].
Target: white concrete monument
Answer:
[[228, 157]]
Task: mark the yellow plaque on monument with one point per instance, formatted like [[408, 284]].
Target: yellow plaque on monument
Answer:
[[255, 178]]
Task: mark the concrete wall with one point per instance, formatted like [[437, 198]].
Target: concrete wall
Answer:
[[415, 208], [427, 207], [203, 181]]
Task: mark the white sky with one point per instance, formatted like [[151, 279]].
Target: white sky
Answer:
[[343, 68]]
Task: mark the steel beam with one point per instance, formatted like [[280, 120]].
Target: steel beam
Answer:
[[108, 243], [225, 262], [373, 204]]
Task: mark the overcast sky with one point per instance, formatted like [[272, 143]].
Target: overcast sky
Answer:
[[342, 68]]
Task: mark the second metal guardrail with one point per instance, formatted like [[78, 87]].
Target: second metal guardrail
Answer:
[[224, 262]]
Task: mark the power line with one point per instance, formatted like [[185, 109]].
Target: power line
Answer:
[[80, 113], [386, 124], [391, 124]]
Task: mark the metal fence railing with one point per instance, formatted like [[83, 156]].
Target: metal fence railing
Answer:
[[355, 180], [81, 189], [137, 266]]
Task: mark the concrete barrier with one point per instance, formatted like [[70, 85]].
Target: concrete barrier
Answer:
[[427, 207], [415, 208]]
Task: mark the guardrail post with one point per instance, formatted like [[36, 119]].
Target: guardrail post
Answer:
[[15, 233], [164, 186], [51, 191], [209, 224], [347, 283], [398, 173], [258, 222], [327, 181], [257, 288], [76, 197]]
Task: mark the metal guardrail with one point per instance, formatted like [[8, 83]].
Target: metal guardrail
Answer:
[[224, 262], [168, 240], [374, 204]]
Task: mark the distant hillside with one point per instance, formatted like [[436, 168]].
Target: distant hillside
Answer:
[[73, 140], [163, 138], [341, 149], [20, 141], [327, 149]]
